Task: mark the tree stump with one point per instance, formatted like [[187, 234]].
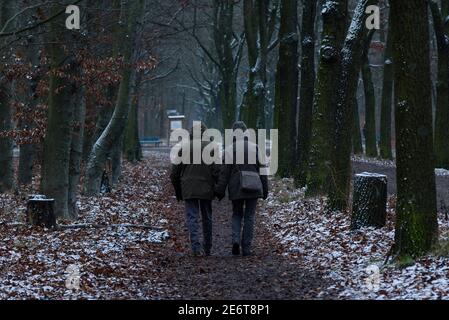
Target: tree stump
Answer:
[[40, 211], [369, 206]]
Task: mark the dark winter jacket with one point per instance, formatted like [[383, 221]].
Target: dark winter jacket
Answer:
[[230, 173], [194, 181]]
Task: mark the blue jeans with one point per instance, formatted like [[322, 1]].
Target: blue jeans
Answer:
[[193, 209], [244, 211]]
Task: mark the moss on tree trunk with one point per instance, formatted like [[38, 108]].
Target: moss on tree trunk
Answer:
[[416, 214], [334, 16]]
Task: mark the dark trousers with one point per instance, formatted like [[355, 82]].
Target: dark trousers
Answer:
[[244, 212], [193, 209]]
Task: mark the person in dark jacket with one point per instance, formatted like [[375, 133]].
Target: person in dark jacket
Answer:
[[194, 183], [244, 202]]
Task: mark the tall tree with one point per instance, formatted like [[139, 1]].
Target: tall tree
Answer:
[[131, 144], [228, 61], [347, 85], [416, 214], [76, 150], [56, 151], [113, 133], [306, 89], [387, 99], [6, 151], [357, 147], [287, 86], [370, 100], [334, 16], [31, 99], [442, 87], [259, 26]]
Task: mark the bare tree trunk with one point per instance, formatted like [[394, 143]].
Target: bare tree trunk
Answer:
[[387, 100], [334, 15], [259, 25], [131, 144], [287, 86], [307, 88], [357, 147], [56, 152], [76, 151], [6, 146], [370, 101], [442, 103], [114, 131], [227, 60], [27, 151], [346, 89], [416, 213], [6, 143]]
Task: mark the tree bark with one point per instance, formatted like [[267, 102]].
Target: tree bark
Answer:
[[306, 90], [27, 150], [287, 87], [40, 212], [6, 143], [131, 144], [258, 25], [347, 86], [334, 17], [387, 100], [76, 151], [116, 126], [369, 207], [56, 151], [357, 147], [228, 62], [370, 102], [442, 87], [416, 214]]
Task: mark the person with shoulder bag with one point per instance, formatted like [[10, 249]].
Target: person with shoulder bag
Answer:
[[245, 186]]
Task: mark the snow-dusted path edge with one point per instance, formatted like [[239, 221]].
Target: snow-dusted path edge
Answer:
[[350, 259]]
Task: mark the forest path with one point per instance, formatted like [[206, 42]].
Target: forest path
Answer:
[[267, 274]]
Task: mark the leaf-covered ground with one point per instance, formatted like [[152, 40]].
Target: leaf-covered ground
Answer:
[[325, 243], [299, 252], [116, 262], [133, 263]]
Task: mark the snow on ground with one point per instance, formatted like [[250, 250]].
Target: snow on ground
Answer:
[[352, 259], [380, 162], [391, 164], [107, 263]]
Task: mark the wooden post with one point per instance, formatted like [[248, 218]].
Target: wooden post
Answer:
[[40, 211], [369, 207]]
